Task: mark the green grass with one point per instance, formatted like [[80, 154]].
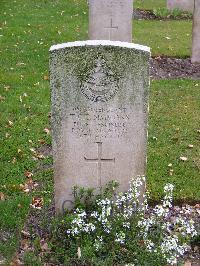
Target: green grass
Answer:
[[172, 38], [173, 124], [150, 4], [28, 29]]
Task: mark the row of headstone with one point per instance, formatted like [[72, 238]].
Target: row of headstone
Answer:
[[99, 104], [185, 5]]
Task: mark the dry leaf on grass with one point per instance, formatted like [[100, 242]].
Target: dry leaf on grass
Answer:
[[2, 98], [44, 245], [2, 196], [182, 158], [46, 77], [190, 146], [25, 234], [47, 131], [28, 174], [10, 123], [37, 202]]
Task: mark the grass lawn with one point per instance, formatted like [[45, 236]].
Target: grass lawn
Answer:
[[172, 38], [150, 4], [27, 30], [173, 125]]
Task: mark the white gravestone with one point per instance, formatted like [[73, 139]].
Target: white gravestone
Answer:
[[196, 34], [185, 5], [110, 20], [99, 114]]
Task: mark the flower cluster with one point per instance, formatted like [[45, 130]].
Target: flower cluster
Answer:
[[114, 219], [172, 232]]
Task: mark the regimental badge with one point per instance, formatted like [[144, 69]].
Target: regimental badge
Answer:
[[100, 84]]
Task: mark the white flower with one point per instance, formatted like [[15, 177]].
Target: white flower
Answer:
[[120, 237], [168, 187]]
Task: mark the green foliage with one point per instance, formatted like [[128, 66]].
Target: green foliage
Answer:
[[118, 230], [167, 13], [30, 259]]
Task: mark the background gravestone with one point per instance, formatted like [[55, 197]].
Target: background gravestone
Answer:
[[99, 114], [185, 5], [196, 34], [110, 20]]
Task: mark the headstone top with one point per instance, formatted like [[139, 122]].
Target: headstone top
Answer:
[[110, 20], [101, 42]]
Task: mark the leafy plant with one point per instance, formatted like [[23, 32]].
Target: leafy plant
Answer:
[[166, 13], [120, 228]]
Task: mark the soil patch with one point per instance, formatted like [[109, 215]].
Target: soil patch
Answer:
[[149, 14], [172, 68]]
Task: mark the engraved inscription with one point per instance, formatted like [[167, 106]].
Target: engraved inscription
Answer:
[[99, 160], [100, 84], [99, 123], [111, 28]]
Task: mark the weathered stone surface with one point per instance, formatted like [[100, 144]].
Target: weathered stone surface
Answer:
[[99, 114], [110, 20], [185, 5], [196, 34]]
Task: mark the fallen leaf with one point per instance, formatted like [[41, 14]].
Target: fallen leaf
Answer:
[[79, 253], [2, 98], [7, 135], [32, 150], [6, 88], [25, 234], [14, 160], [41, 141], [46, 77], [37, 202], [15, 262], [190, 146], [10, 123], [47, 131], [44, 245], [171, 171], [20, 154], [24, 244], [28, 174], [182, 158], [2, 196]]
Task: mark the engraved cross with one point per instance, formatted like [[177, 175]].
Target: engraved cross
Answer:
[[110, 28], [99, 160]]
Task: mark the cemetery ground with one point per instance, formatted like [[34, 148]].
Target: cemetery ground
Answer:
[[27, 30]]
